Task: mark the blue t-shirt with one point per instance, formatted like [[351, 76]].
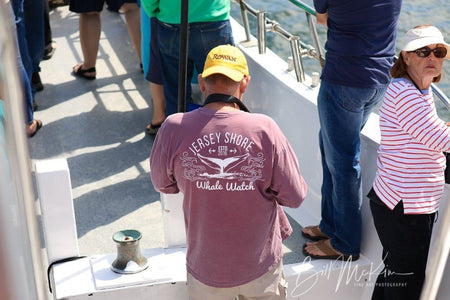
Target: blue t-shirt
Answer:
[[360, 44]]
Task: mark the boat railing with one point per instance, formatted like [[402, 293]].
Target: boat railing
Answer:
[[440, 95], [299, 49]]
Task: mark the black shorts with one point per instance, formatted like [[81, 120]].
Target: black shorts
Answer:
[[84, 6]]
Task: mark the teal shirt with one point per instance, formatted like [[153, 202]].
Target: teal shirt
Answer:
[[2, 112], [169, 11]]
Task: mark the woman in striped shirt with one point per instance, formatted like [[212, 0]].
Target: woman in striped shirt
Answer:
[[410, 178]]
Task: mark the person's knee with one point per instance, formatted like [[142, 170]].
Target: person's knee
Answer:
[[127, 7], [90, 14]]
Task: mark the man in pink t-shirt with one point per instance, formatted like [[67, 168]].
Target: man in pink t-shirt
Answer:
[[235, 169]]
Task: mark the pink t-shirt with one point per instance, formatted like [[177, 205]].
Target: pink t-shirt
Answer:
[[235, 170]]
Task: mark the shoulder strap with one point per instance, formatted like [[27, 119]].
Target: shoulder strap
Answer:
[[227, 99]]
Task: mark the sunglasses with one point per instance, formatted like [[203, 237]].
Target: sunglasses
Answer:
[[439, 52]]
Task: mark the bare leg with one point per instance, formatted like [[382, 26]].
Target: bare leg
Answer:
[[133, 20], [90, 28], [159, 108], [159, 105]]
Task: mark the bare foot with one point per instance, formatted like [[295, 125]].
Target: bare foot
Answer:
[[317, 248], [33, 128], [314, 233]]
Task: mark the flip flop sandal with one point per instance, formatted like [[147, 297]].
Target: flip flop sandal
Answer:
[[82, 73], [329, 252], [317, 235], [152, 129], [38, 126]]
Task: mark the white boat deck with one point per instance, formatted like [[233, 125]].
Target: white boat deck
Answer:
[[99, 128]]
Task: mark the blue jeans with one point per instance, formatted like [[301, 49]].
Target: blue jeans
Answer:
[[343, 111], [23, 58], [30, 33], [203, 36], [34, 29]]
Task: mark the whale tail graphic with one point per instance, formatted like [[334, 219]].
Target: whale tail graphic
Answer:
[[223, 165]]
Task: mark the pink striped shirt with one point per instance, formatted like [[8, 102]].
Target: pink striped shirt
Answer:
[[410, 159]]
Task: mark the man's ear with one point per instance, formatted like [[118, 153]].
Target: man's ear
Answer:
[[201, 83], [244, 83]]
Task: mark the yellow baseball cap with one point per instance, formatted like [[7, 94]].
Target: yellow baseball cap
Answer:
[[227, 60]]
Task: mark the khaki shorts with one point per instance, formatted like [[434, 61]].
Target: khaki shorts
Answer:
[[270, 286]]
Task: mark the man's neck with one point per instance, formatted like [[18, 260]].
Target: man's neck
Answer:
[[219, 105]]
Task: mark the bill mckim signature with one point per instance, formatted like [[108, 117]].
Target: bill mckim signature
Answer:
[[347, 274]]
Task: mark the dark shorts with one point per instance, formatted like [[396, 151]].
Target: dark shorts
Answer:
[[84, 6], [154, 73]]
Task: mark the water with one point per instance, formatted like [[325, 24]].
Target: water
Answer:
[[414, 12]]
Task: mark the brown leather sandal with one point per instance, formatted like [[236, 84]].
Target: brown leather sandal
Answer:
[[328, 251], [316, 235]]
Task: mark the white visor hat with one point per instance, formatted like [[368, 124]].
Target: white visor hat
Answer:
[[417, 38]]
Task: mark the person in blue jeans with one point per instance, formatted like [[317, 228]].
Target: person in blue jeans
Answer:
[[209, 26], [30, 30], [25, 61], [360, 52], [35, 35]]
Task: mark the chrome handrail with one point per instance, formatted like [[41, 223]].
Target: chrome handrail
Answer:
[[440, 94], [310, 13], [299, 49], [308, 9]]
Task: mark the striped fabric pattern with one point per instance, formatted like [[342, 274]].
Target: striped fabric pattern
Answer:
[[410, 159]]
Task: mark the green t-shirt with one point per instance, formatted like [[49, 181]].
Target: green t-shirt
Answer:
[[169, 11]]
